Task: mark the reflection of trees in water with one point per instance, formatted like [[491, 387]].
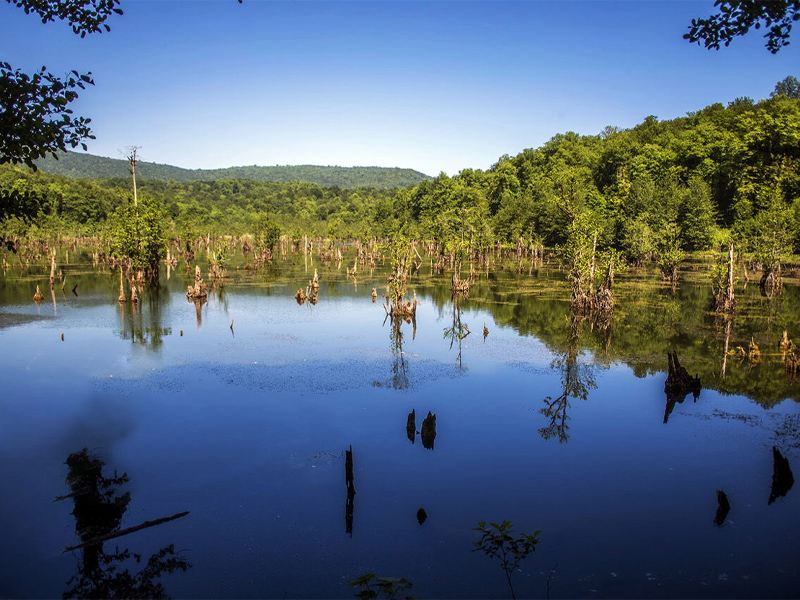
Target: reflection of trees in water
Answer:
[[576, 380], [458, 330], [400, 380], [141, 322], [98, 511]]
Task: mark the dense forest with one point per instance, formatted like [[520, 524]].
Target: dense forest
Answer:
[[89, 166], [661, 187]]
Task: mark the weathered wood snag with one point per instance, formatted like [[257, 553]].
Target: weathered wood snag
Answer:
[[724, 297], [38, 297], [199, 290], [783, 345], [782, 477], [428, 432], [485, 331], [754, 353], [300, 296], [678, 384], [374, 295], [121, 297]]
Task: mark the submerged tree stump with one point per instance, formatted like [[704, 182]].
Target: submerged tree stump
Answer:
[[199, 291], [411, 426], [428, 432], [121, 298], [38, 297]]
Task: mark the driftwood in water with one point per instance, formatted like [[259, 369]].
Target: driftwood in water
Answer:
[[411, 425], [723, 508], [782, 477], [678, 384], [126, 531], [422, 516], [428, 432]]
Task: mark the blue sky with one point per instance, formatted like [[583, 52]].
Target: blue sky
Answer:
[[430, 85]]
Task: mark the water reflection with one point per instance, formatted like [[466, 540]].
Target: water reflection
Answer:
[[457, 330], [678, 385], [351, 491], [140, 321], [782, 477], [723, 508], [98, 510], [400, 379], [576, 380]]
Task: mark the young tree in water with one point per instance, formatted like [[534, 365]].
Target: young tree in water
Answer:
[[138, 235]]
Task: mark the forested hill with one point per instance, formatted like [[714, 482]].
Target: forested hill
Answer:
[[89, 166]]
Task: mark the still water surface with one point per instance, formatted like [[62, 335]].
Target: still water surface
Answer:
[[552, 423]]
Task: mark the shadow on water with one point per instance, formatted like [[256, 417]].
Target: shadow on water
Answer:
[[98, 510]]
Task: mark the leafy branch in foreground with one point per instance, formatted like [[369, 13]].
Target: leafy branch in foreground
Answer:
[[34, 118], [736, 17], [498, 542]]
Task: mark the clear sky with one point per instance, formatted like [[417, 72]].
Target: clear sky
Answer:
[[430, 85]]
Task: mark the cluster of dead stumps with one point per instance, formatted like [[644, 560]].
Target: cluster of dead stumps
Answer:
[[310, 294]]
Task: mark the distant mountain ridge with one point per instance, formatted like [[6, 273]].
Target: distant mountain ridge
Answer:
[[88, 166]]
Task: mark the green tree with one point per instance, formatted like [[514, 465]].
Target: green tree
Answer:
[[696, 216], [788, 87], [138, 235]]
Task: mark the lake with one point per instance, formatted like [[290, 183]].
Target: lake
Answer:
[[240, 411]]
